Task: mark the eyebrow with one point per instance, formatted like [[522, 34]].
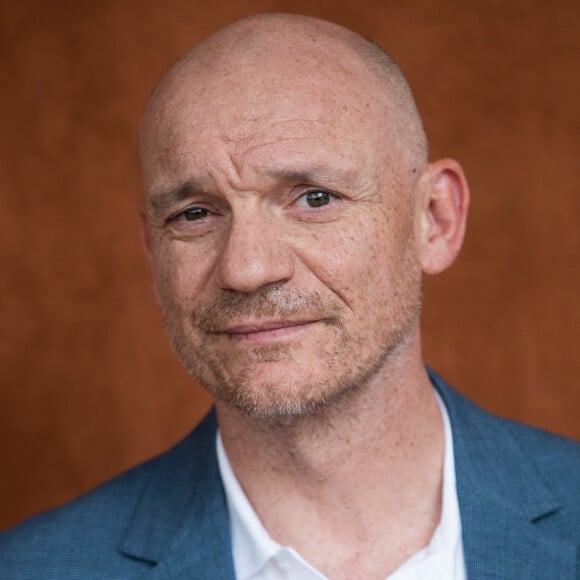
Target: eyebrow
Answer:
[[163, 201], [296, 176], [315, 175]]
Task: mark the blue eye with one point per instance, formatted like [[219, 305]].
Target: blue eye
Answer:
[[317, 198]]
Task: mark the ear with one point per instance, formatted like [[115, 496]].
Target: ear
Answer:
[[148, 248], [444, 198]]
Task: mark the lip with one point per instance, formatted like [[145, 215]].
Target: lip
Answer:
[[266, 331]]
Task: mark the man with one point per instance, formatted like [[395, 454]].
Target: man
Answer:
[[288, 216]]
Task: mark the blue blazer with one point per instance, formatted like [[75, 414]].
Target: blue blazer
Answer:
[[167, 519]]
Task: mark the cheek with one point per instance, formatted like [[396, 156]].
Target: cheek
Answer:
[[366, 264], [181, 272], [342, 259]]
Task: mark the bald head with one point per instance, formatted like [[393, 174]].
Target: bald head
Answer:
[[271, 54]]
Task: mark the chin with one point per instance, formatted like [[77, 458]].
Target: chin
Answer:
[[266, 401], [273, 389], [283, 390]]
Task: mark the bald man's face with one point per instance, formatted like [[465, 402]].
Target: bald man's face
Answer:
[[280, 228]]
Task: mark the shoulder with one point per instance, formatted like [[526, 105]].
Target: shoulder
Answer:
[[557, 462], [557, 458], [533, 472], [548, 449], [82, 538], [57, 543]]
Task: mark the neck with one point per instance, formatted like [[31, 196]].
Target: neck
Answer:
[[351, 473]]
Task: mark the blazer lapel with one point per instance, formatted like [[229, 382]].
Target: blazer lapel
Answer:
[[181, 522], [501, 497]]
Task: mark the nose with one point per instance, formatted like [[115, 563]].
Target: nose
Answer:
[[253, 255]]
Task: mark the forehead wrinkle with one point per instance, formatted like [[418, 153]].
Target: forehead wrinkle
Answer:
[[258, 131], [243, 163], [318, 165]]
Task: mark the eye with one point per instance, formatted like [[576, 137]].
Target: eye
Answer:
[[191, 214], [317, 198], [195, 221]]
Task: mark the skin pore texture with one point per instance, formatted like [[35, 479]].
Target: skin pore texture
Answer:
[[288, 215]]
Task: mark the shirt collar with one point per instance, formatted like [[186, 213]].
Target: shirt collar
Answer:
[[443, 556], [252, 546]]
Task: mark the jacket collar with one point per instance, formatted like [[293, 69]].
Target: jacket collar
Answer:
[[501, 495]]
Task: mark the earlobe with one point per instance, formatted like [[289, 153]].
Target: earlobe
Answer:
[[444, 195]]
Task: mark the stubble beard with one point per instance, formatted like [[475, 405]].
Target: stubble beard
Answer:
[[346, 364]]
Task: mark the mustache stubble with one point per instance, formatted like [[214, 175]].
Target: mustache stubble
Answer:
[[271, 302]]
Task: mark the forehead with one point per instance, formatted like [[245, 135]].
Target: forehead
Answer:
[[307, 111]]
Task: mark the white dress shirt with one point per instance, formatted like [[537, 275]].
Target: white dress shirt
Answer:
[[258, 557]]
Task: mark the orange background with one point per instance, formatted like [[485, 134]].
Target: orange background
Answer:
[[90, 386]]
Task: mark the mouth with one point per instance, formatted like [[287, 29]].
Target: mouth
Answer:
[[266, 331]]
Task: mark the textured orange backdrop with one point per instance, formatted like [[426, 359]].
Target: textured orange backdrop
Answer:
[[89, 383]]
